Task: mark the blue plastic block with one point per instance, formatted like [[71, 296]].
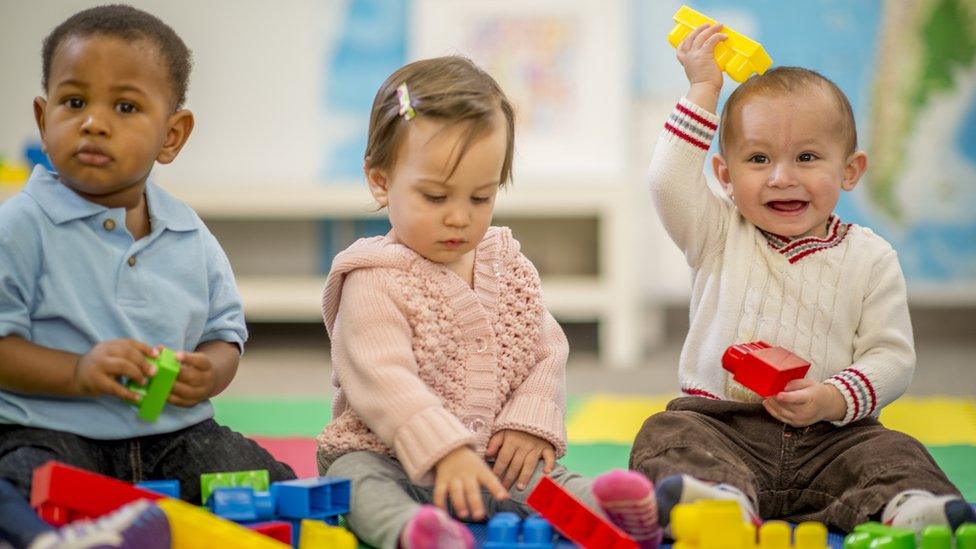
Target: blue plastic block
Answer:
[[241, 503], [508, 531], [314, 498], [170, 488]]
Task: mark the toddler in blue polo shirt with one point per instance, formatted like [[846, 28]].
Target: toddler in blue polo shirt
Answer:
[[98, 268]]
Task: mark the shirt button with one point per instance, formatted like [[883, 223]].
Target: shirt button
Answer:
[[132, 261], [109, 224], [481, 345]]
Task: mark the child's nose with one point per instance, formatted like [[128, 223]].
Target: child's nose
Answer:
[[95, 123], [458, 216], [782, 176]]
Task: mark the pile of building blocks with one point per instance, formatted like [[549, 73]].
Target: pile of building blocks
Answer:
[[288, 513], [718, 524], [508, 531], [874, 535], [573, 519], [155, 393], [738, 55], [763, 368]]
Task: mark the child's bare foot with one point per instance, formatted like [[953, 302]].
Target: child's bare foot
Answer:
[[627, 497], [432, 528]]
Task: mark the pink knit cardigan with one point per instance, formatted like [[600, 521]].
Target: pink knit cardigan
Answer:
[[423, 364]]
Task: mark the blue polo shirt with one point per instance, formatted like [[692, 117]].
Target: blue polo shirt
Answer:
[[72, 276]]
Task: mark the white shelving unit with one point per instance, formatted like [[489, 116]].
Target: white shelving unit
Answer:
[[611, 299]]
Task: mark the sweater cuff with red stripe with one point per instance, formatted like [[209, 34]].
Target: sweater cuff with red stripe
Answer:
[[692, 124], [858, 392]]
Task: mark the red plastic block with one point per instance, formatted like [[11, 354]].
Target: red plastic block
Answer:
[[79, 493], [277, 529], [763, 368], [575, 520], [56, 515]]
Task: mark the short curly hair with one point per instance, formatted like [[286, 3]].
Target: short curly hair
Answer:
[[129, 24]]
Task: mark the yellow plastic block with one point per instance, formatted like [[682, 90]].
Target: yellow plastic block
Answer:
[[775, 534], [738, 55], [195, 528], [317, 534], [711, 524], [810, 535]]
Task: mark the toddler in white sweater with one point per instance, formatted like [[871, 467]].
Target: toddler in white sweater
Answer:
[[771, 261]]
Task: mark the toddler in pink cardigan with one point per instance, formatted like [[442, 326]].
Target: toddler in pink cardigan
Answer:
[[449, 371]]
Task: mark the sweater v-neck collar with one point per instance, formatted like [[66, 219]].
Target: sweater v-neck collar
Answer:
[[795, 249]]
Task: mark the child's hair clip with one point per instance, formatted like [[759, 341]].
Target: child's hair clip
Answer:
[[406, 109]]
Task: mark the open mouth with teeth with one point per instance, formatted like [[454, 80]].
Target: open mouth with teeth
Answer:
[[787, 206]]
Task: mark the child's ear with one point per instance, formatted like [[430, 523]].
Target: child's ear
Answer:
[[379, 184], [39, 105], [722, 173], [857, 164], [180, 124]]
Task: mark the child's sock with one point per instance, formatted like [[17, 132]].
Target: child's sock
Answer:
[[677, 489], [432, 528], [627, 497], [135, 526], [916, 509]]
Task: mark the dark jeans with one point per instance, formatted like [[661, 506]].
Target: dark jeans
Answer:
[[181, 455], [841, 476]]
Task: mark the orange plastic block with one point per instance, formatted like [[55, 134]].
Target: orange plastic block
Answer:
[[575, 520], [763, 368], [194, 528], [64, 493], [738, 55]]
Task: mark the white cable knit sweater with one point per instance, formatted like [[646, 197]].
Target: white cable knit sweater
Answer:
[[839, 302]]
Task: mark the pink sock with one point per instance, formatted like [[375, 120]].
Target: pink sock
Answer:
[[432, 528], [628, 500]]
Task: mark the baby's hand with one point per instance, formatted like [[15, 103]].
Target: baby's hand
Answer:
[[196, 380], [804, 402], [697, 55], [460, 476], [516, 453], [98, 371]]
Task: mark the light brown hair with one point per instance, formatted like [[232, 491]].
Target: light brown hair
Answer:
[[783, 81], [452, 89]]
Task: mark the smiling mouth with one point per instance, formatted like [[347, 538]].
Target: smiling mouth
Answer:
[[788, 207]]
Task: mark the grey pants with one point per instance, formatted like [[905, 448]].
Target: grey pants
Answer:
[[383, 498]]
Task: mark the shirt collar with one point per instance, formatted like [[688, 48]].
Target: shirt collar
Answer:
[[61, 204]]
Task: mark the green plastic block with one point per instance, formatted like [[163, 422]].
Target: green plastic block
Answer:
[[894, 539], [155, 393], [874, 535], [258, 479], [936, 537], [966, 536]]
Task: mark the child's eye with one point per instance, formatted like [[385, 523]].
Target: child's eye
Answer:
[[434, 198], [480, 199], [806, 157], [125, 108], [759, 159], [75, 103]]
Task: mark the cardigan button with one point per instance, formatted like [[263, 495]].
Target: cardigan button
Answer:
[[474, 423], [480, 345]]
